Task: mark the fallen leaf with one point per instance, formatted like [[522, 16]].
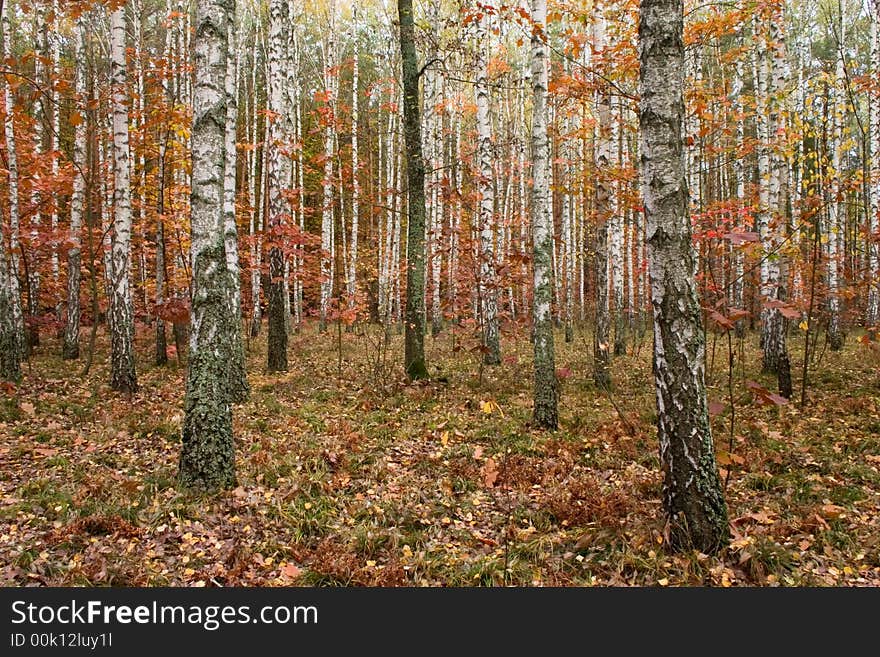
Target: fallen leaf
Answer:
[[291, 571], [490, 472]]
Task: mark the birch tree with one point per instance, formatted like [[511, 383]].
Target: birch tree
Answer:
[[546, 394], [604, 157], [12, 336], [238, 384], [327, 245], [836, 206], [279, 172], [488, 291], [207, 459], [123, 376], [774, 331], [693, 504], [355, 165], [873, 311], [77, 199]]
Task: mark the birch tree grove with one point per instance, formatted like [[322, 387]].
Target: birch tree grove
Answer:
[[400, 189], [207, 459], [696, 514], [123, 376]]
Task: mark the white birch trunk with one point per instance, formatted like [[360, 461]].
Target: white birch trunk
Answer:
[[355, 166], [485, 149], [873, 311], [327, 227], [836, 207], [545, 391], [12, 286], [77, 200], [207, 460], [123, 375], [279, 177]]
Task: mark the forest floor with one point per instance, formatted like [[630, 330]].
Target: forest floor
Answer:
[[365, 480]]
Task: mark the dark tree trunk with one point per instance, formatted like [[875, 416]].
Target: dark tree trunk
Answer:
[[696, 514], [414, 356]]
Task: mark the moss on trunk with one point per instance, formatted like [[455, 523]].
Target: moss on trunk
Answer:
[[207, 459]]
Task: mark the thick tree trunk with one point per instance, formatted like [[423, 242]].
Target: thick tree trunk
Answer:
[[414, 350], [696, 514], [207, 459], [123, 376], [546, 391]]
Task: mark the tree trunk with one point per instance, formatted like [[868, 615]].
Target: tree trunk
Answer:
[[488, 284], [414, 350], [775, 349], [279, 178], [207, 459], [19, 341], [123, 376], [355, 183], [546, 392], [238, 384], [836, 206], [327, 227], [70, 349], [873, 312], [604, 157], [694, 507]]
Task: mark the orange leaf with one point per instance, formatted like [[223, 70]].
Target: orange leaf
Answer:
[[291, 571], [490, 472]]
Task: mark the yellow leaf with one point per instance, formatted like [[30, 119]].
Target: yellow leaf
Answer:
[[444, 438], [486, 407], [804, 326]]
